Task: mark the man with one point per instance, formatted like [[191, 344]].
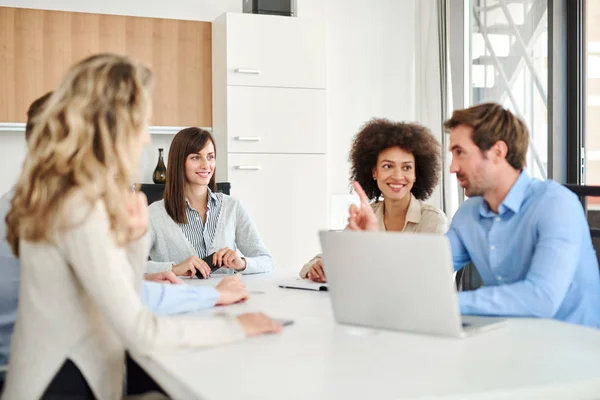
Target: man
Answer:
[[160, 298], [528, 239]]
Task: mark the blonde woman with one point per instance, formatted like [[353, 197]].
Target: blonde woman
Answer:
[[80, 235]]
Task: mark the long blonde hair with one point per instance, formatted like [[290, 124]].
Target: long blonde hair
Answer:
[[82, 141]]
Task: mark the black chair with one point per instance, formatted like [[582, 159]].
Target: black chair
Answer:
[[154, 192], [583, 192], [468, 278]]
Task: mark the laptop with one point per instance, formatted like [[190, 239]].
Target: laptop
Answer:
[[396, 281]]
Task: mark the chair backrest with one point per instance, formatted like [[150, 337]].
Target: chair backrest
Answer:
[[154, 192], [468, 278], [583, 192]]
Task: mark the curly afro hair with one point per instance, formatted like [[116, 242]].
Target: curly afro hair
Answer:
[[380, 134]]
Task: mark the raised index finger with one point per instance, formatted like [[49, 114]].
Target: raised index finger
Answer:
[[364, 200]]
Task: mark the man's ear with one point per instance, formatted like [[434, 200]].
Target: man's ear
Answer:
[[499, 150]]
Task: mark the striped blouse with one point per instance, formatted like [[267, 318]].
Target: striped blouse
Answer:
[[198, 234]]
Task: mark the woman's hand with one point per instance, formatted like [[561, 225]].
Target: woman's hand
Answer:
[[137, 206], [229, 258], [362, 218], [255, 324], [189, 267], [316, 272]]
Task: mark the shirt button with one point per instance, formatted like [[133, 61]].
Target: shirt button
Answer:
[[197, 218], [499, 277], [497, 219], [492, 247]]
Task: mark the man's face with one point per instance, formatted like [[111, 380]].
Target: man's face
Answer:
[[473, 168]]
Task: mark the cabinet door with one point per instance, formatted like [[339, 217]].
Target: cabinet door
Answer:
[[267, 50], [276, 120], [286, 197]]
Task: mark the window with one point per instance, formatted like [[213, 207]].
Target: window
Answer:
[[508, 54], [592, 98]]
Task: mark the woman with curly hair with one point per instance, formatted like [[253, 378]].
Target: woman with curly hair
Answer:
[[398, 166]]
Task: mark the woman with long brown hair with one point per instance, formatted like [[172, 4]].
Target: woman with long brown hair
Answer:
[[80, 234], [193, 221]]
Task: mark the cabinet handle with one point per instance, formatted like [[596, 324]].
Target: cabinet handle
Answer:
[[247, 71], [248, 138], [248, 167]]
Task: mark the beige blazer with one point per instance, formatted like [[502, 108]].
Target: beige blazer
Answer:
[[420, 218], [79, 300]]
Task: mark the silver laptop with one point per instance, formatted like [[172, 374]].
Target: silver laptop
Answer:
[[397, 281]]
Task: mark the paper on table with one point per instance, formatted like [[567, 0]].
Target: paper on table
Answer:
[[304, 284]]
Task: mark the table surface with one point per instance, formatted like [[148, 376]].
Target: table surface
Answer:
[[316, 358]]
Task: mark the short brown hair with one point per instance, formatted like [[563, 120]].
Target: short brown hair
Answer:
[[380, 134], [186, 142], [34, 110], [491, 122]]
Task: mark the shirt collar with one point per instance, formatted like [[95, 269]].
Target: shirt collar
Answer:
[[413, 214], [212, 199], [513, 200]]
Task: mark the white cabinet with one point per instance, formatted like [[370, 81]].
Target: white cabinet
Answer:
[[269, 123], [276, 120], [267, 50], [284, 195]]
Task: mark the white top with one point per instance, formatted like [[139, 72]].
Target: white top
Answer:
[[235, 229], [315, 358], [79, 300]]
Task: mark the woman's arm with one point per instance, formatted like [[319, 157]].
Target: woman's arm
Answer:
[[108, 278], [308, 265], [153, 267], [248, 241]]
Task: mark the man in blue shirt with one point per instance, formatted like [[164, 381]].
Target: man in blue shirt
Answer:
[[160, 298], [528, 239]]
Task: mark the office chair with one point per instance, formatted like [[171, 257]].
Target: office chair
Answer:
[[154, 192], [583, 192]]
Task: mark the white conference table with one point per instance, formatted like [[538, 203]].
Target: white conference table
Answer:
[[315, 358]]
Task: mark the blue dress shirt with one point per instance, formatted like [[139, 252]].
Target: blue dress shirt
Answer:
[[169, 299], [535, 256]]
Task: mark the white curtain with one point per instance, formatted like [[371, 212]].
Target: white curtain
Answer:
[[434, 91]]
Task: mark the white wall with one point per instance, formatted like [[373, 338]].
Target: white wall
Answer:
[[370, 68], [370, 56], [370, 73]]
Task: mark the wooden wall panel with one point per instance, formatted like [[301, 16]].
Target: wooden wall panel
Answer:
[[28, 46], [37, 47], [7, 63], [85, 33], [56, 54]]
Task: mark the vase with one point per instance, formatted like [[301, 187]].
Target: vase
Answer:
[[160, 172]]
